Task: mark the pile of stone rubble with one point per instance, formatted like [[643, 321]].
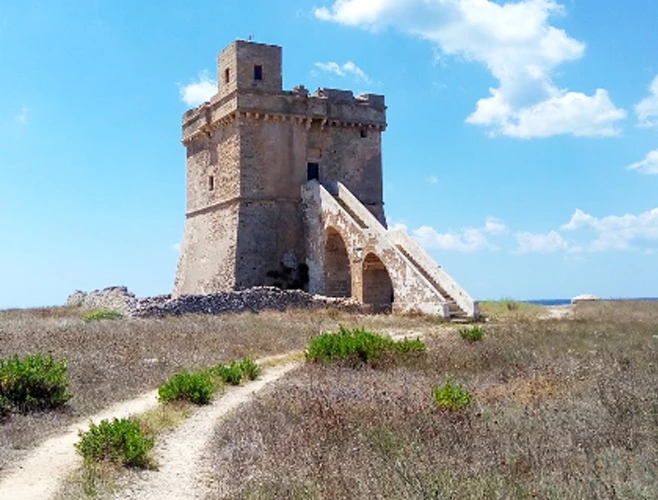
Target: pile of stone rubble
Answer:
[[256, 299]]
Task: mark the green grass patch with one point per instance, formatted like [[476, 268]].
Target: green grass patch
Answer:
[[472, 334], [509, 308], [101, 314], [451, 396], [119, 441], [197, 388], [358, 346], [33, 383]]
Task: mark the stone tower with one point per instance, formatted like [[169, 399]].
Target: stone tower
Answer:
[[249, 150], [261, 162]]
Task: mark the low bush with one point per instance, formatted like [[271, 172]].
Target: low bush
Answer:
[[472, 334], [120, 441], [229, 374], [357, 346], [235, 372], [451, 396], [100, 314], [250, 369], [33, 383], [196, 388]]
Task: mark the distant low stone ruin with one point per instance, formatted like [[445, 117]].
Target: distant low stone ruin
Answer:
[[119, 298]]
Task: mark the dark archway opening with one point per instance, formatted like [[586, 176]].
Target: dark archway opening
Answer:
[[377, 285], [337, 274]]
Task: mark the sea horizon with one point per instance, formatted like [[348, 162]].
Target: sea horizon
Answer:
[[562, 302]]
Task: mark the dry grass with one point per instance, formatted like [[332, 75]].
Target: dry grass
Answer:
[[110, 361], [509, 309], [562, 409]]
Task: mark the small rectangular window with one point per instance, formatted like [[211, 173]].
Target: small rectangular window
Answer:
[[312, 171], [364, 133], [227, 75], [258, 73], [211, 183]]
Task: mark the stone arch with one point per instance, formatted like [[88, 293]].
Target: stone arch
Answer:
[[337, 273], [377, 284]]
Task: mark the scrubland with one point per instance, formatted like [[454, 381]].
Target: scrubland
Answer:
[[110, 361], [559, 408]]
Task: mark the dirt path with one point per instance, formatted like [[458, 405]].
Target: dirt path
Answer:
[[39, 476], [558, 312], [180, 453]]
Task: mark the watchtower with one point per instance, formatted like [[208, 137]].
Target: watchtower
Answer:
[[250, 149]]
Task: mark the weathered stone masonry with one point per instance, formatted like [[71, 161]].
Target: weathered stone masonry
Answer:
[[259, 162]]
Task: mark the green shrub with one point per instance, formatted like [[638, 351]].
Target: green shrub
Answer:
[[472, 334], [120, 441], [36, 382], [196, 388], [237, 371], [451, 396], [357, 346], [231, 374], [408, 346], [99, 314], [250, 369]]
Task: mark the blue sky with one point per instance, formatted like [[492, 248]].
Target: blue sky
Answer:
[[522, 148]]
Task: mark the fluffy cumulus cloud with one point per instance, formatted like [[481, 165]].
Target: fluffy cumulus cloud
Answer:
[[647, 108], [519, 46], [617, 232], [542, 243], [347, 69], [648, 166], [468, 240], [198, 91]]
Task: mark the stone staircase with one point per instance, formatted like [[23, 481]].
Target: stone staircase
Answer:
[[460, 304], [455, 310]]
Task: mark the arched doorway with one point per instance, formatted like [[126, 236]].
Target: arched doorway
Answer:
[[377, 285], [337, 275]]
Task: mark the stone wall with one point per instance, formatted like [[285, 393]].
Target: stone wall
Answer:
[[116, 298], [253, 299]]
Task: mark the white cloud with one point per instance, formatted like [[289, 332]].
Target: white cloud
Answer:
[[542, 243], [347, 69], [495, 227], [648, 166], [433, 179], [647, 108], [517, 44], [22, 116], [200, 91], [618, 232], [469, 240]]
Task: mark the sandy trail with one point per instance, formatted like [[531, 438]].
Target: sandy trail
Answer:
[[181, 452], [558, 312], [39, 476]]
